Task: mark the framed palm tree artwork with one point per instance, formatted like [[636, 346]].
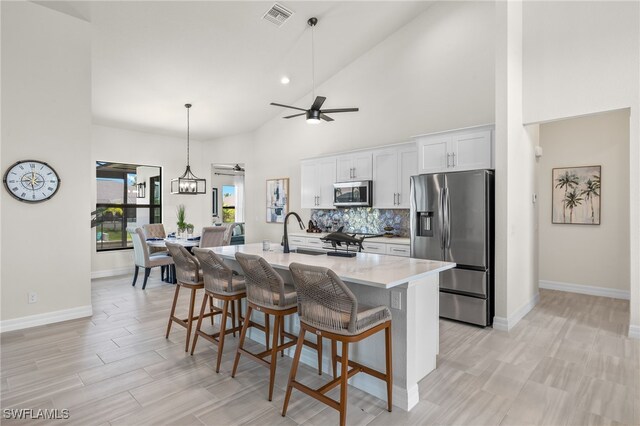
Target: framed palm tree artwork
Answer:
[[576, 195]]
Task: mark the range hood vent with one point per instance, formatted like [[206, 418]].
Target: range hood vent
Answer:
[[278, 14]]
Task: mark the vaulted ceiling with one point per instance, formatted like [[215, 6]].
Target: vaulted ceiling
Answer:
[[149, 58]]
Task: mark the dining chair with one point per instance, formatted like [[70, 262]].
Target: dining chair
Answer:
[[267, 293], [229, 228], [212, 236], [155, 230], [144, 259], [220, 283], [327, 308], [188, 275]]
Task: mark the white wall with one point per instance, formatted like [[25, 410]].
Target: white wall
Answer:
[[583, 58], [436, 73], [516, 234], [46, 115], [169, 153], [587, 255]]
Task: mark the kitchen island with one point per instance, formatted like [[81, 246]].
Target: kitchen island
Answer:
[[409, 287]]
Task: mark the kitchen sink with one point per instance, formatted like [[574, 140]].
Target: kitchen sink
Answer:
[[308, 252]]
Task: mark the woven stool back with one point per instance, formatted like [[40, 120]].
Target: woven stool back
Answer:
[[187, 267], [217, 276], [264, 286], [324, 300]]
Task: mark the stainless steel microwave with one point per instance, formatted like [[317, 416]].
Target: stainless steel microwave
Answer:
[[352, 194]]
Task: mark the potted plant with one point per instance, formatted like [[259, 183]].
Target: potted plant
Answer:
[[181, 215], [190, 229]]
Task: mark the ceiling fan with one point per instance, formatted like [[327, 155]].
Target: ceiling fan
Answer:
[[236, 168], [314, 114]]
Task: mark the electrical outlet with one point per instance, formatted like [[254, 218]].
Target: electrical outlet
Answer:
[[396, 300], [33, 297]]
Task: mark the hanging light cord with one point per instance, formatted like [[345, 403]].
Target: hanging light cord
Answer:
[[188, 134], [313, 67]]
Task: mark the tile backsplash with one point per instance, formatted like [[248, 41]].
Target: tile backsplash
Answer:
[[363, 219]]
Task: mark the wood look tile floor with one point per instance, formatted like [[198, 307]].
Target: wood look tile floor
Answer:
[[567, 362]]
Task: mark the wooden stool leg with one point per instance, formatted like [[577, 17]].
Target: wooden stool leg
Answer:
[[243, 333], [344, 376], [192, 303], [389, 372], [223, 326], [266, 330], [319, 346], [294, 369], [233, 316], [199, 325], [334, 360], [274, 354], [211, 309], [282, 337], [173, 310]]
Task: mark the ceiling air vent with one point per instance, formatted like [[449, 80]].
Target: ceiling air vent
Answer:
[[278, 14]]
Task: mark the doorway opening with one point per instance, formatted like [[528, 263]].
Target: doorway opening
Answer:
[[227, 196]]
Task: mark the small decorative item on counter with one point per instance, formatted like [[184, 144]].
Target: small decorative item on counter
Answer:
[[388, 231], [313, 227]]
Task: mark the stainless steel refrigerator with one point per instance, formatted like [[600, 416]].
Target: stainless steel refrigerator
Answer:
[[452, 219]]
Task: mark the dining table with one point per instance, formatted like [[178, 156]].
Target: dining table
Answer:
[[187, 243]]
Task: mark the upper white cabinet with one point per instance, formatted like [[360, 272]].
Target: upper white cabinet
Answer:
[[317, 177], [354, 167], [459, 150], [392, 168]]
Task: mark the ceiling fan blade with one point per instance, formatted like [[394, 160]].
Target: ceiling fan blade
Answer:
[[288, 106], [295, 115], [326, 117], [318, 102], [328, 111]]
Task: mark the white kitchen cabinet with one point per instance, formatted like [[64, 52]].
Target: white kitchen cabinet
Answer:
[[317, 177], [468, 149], [354, 167], [392, 168]]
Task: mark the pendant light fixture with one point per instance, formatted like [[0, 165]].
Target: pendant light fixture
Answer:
[[188, 183]]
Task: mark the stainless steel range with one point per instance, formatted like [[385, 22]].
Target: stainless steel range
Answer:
[[452, 219]]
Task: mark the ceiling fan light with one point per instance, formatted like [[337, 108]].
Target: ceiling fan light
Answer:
[[313, 117]]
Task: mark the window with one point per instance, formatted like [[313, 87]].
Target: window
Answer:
[[118, 206], [228, 203]]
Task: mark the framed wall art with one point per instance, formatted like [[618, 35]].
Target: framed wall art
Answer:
[[277, 199], [214, 209], [576, 195]]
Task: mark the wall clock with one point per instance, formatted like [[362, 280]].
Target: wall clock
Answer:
[[32, 181]]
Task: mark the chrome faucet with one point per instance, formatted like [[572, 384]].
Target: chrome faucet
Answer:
[[285, 237]]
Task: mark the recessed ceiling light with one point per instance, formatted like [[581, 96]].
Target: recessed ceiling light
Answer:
[[285, 80]]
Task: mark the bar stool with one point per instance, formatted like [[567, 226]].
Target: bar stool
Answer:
[[327, 308], [267, 293], [189, 276], [219, 283]]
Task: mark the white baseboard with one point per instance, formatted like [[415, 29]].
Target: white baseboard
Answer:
[[46, 318], [506, 324], [584, 289], [113, 272], [634, 332]]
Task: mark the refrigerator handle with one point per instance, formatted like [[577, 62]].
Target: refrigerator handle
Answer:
[[448, 217], [441, 217]]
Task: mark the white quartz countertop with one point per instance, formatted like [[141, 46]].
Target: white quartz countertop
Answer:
[[366, 268], [391, 240]]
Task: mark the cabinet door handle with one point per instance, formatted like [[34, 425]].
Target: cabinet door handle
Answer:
[[398, 198], [453, 155], [394, 198], [448, 159]]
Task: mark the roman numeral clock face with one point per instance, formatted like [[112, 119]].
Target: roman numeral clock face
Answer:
[[31, 181]]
